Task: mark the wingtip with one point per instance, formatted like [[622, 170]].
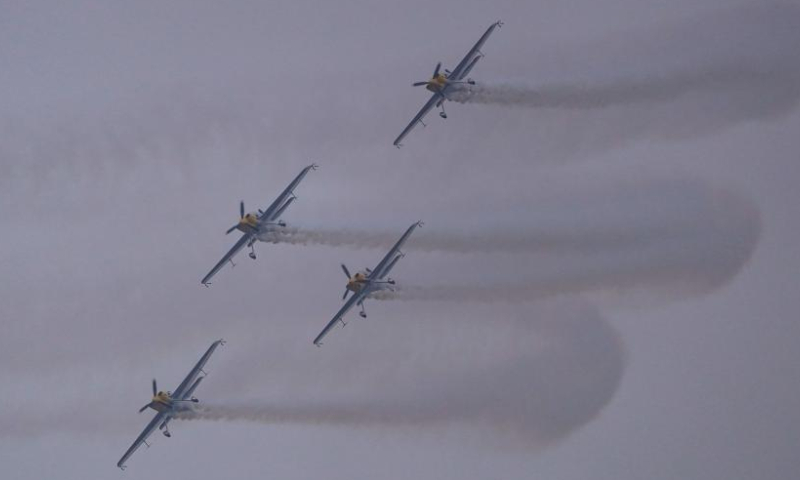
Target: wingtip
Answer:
[[313, 166]]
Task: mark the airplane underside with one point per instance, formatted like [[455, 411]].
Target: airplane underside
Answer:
[[387, 285]]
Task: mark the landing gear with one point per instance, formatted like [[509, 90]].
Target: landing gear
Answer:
[[252, 252], [166, 433], [363, 312], [442, 113]]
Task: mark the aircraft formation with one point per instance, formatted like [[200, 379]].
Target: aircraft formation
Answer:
[[264, 225]]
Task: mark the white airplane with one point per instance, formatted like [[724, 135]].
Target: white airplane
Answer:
[[168, 404], [444, 84], [258, 225], [367, 282]]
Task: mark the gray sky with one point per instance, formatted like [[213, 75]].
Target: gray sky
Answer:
[[604, 286]]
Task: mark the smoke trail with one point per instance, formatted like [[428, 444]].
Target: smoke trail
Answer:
[[491, 293], [665, 240], [626, 221], [693, 257], [532, 379], [679, 80], [734, 83], [504, 240]]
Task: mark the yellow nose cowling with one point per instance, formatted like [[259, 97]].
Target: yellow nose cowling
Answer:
[[161, 397], [250, 220], [437, 83], [357, 282]]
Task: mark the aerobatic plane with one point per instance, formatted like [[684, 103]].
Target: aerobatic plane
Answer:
[[444, 84], [168, 404], [259, 225], [367, 282]]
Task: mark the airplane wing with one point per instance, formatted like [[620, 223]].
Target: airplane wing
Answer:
[[277, 207], [238, 246], [434, 100], [184, 388], [462, 69], [160, 417], [336, 318], [389, 260]]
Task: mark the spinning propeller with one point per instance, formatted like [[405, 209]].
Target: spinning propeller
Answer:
[[155, 392], [346, 272], [241, 217]]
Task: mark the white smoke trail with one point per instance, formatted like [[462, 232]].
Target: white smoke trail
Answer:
[[636, 288], [493, 240], [557, 365], [696, 240], [679, 80], [486, 293], [568, 234], [703, 245], [323, 414], [734, 83]]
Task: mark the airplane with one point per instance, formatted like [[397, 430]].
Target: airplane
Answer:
[[259, 225], [168, 404], [367, 282], [443, 84]]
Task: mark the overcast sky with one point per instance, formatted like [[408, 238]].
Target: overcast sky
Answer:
[[605, 285]]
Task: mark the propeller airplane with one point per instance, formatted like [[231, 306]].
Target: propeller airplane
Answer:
[[443, 84], [168, 404], [259, 225], [366, 282]]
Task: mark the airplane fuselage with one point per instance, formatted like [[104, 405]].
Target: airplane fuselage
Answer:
[[248, 223], [437, 83], [359, 282], [163, 402]]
